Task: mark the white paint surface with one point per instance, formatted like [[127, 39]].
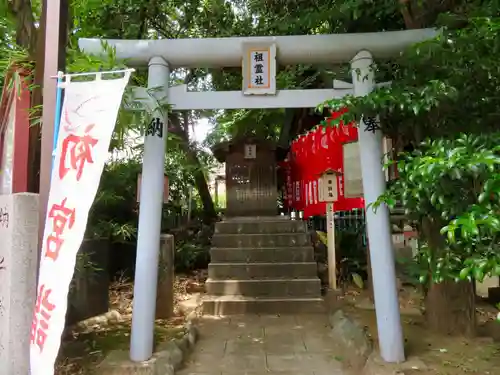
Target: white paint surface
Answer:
[[226, 52]]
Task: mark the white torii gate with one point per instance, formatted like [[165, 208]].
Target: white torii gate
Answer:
[[163, 55]]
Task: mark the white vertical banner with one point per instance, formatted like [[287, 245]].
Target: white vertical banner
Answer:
[[88, 118]]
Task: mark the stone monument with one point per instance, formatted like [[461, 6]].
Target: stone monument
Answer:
[[18, 272]]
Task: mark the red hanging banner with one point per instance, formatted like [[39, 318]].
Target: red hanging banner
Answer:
[[294, 168], [313, 154], [307, 174]]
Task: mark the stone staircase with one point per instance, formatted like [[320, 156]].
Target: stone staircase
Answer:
[[262, 265]]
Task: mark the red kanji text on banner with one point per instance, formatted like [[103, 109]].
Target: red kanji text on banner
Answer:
[[89, 114]]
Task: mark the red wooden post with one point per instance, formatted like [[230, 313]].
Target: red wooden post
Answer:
[[14, 134]]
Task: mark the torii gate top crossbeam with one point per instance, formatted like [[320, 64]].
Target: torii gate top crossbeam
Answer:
[[227, 52]]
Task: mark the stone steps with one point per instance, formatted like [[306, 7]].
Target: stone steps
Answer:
[[258, 240], [270, 227], [262, 265], [238, 271], [234, 305], [276, 288], [262, 255]]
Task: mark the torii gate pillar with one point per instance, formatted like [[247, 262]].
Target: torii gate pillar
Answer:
[[150, 215], [378, 225]]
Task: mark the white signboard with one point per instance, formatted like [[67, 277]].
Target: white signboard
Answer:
[[250, 151], [259, 69], [88, 118], [353, 180], [328, 188]]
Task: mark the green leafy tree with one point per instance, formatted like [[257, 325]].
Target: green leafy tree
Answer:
[[441, 88], [450, 188], [108, 19]]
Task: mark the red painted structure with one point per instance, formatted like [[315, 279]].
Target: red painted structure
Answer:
[[14, 133], [310, 156]]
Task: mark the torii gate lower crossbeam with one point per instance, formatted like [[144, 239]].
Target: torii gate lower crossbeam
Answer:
[[359, 49], [180, 99]]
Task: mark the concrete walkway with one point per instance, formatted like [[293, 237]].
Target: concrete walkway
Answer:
[[259, 345]]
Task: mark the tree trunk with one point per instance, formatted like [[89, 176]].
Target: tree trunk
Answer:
[[198, 175], [418, 14], [201, 185], [26, 32], [450, 308]]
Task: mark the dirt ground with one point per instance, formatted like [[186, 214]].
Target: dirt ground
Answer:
[[442, 355], [83, 347]]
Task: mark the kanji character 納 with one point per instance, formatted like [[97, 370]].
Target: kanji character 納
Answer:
[[79, 150]]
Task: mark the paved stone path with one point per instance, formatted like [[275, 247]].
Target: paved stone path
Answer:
[[259, 345]]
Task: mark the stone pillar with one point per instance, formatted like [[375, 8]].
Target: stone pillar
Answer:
[[165, 293], [18, 270], [385, 291], [88, 295], [150, 215]]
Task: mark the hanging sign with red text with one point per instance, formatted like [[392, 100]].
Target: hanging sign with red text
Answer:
[[88, 116]]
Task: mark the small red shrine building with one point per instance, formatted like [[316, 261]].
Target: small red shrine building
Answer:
[[320, 149]]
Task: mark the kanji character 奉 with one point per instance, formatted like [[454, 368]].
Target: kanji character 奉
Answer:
[[80, 152], [63, 217], [41, 317], [371, 124]]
